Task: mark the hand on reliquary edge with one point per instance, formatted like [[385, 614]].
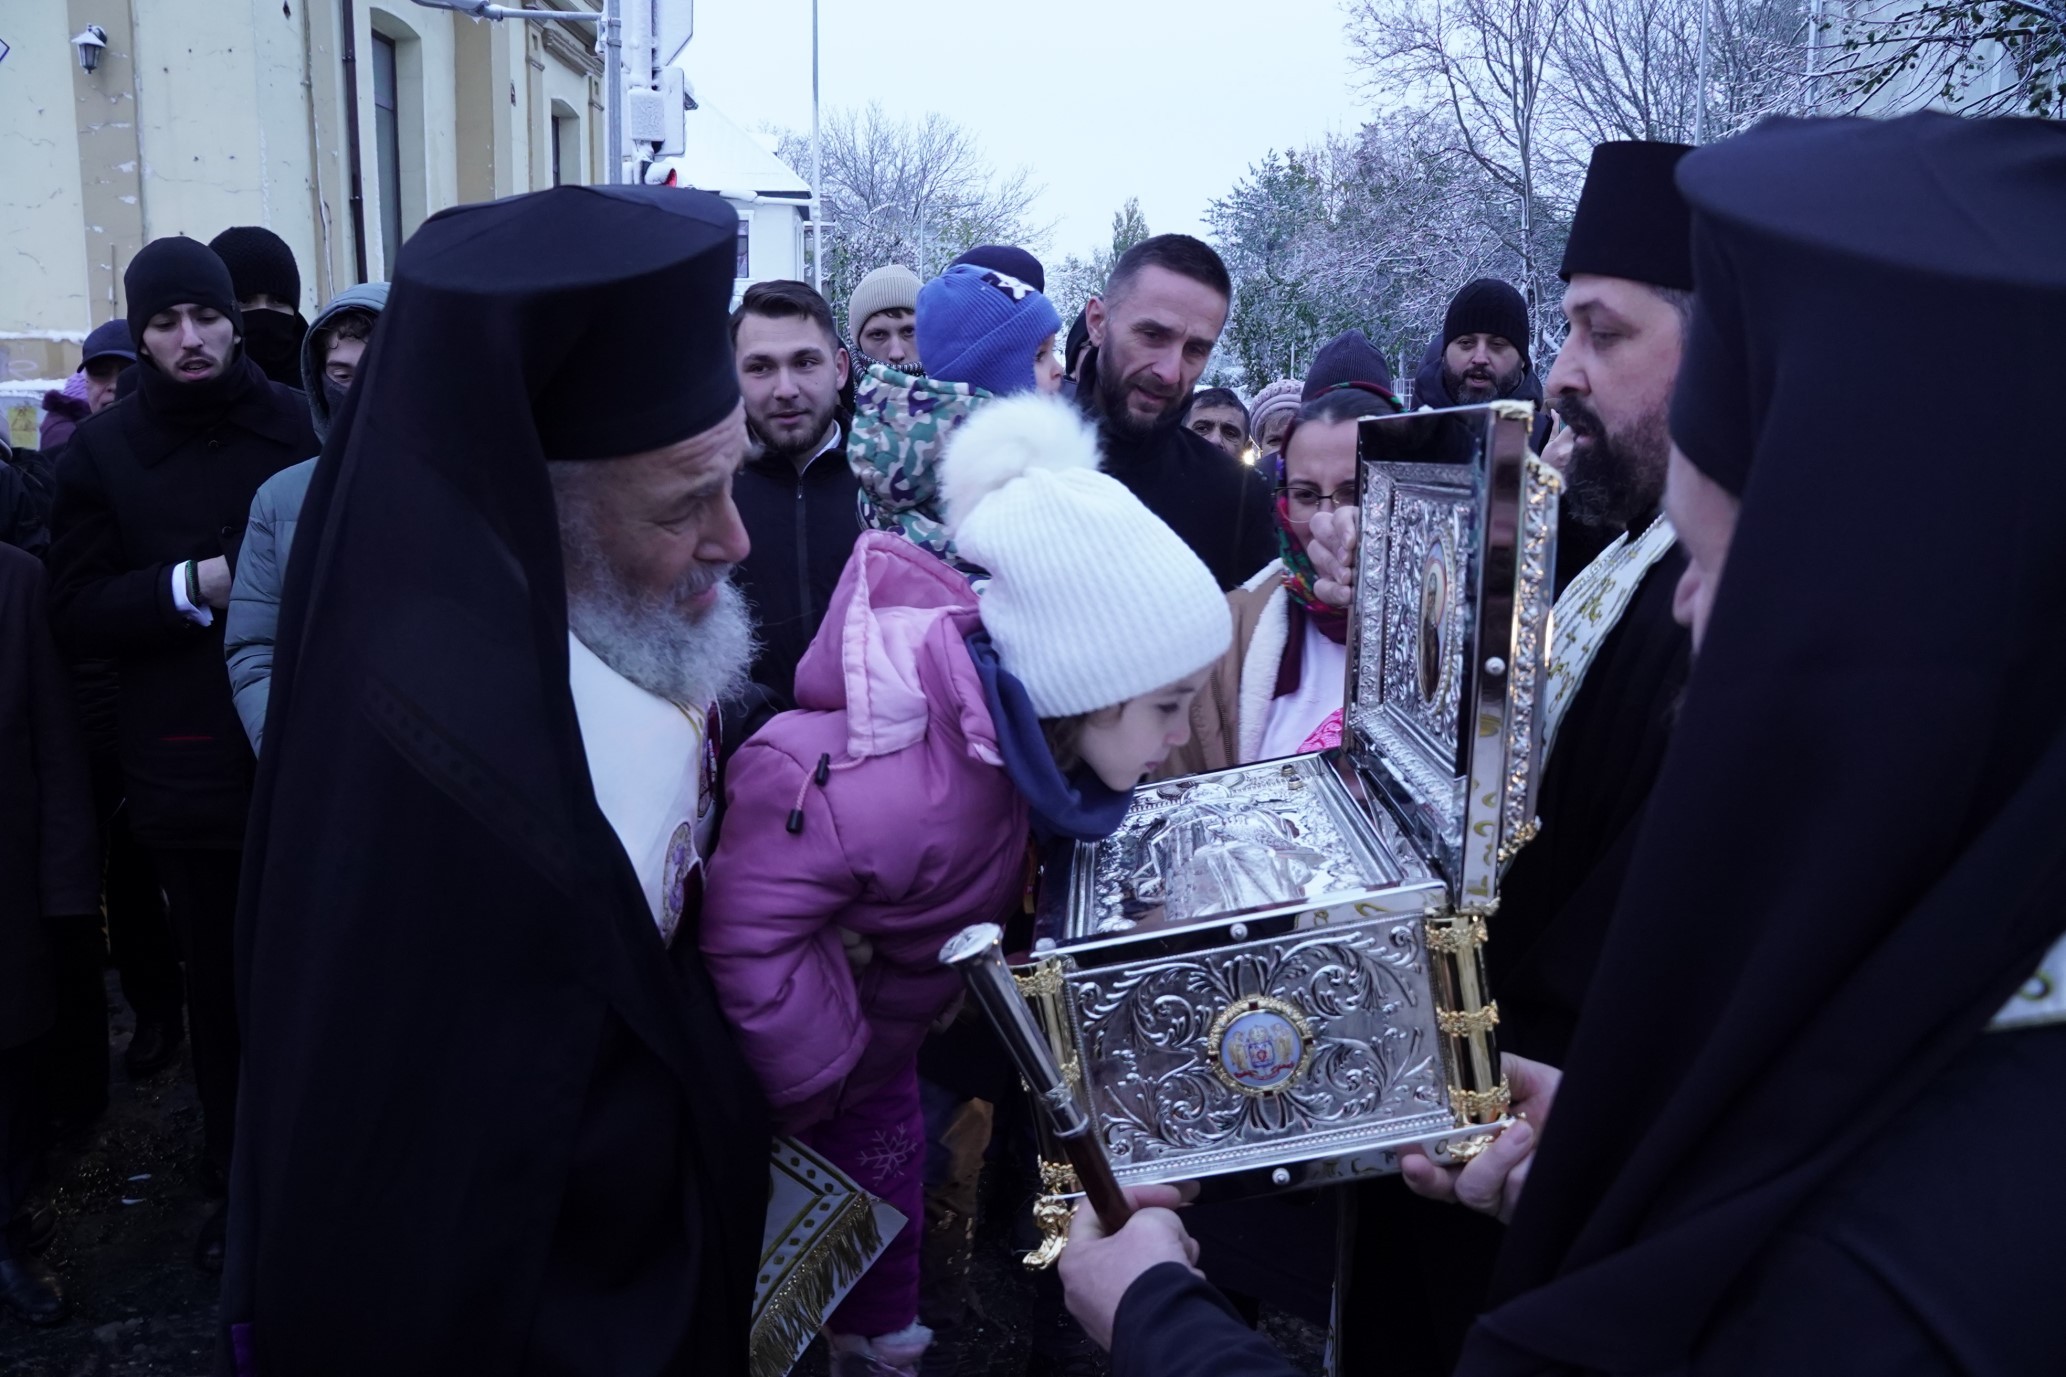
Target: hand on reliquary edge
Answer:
[[1491, 1182]]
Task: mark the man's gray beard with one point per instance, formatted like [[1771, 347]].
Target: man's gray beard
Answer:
[[694, 661], [653, 638], [655, 642]]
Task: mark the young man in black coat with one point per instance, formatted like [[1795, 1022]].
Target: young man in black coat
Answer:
[[1152, 331], [49, 891], [797, 496], [150, 504]]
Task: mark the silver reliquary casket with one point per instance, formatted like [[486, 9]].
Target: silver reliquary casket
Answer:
[[1271, 976]]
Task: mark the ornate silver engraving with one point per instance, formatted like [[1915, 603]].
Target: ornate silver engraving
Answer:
[[1367, 694], [1428, 622], [1143, 1030], [1142, 875], [1540, 486], [1417, 636]]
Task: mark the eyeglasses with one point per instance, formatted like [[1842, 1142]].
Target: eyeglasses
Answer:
[[1304, 499]]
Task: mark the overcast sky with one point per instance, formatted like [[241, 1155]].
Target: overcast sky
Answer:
[[1101, 99]]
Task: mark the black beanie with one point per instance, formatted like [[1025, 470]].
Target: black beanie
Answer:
[[1488, 306], [174, 271], [1348, 357], [1009, 260], [259, 261]]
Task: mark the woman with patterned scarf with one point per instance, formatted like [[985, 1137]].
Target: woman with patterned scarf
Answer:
[[1287, 670]]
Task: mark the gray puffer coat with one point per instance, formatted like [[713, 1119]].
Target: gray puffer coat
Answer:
[[254, 611]]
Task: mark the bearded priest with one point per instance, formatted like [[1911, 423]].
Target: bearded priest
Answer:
[[493, 1120]]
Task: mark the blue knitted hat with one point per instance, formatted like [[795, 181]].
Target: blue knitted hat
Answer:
[[980, 326]]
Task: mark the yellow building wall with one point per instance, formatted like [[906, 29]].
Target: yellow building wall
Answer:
[[44, 298], [209, 113]]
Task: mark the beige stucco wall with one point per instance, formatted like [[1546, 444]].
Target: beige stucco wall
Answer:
[[222, 120], [210, 113], [43, 278]]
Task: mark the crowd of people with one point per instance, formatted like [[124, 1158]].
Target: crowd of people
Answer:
[[530, 798]]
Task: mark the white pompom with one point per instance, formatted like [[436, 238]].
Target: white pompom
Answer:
[[1006, 439]]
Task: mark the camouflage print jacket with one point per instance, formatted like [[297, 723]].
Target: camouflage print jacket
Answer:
[[901, 425]]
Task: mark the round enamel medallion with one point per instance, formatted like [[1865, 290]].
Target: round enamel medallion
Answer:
[[675, 877], [1260, 1044]]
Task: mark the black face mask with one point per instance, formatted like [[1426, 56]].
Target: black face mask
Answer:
[[333, 395], [273, 339]]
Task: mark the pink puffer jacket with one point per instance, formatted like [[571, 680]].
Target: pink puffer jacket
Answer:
[[909, 832]]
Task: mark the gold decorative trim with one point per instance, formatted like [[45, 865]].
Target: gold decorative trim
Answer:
[[1044, 981], [1523, 834], [1259, 1004], [796, 1308], [1462, 1150], [1459, 1023], [1454, 938], [1482, 1105], [1051, 1211]]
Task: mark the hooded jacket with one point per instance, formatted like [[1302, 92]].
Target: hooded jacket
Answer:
[[62, 413], [901, 425], [254, 610], [881, 806]]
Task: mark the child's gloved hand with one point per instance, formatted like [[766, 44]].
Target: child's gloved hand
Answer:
[[859, 950]]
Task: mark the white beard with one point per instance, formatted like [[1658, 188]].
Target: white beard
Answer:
[[687, 658], [693, 661], [657, 641]]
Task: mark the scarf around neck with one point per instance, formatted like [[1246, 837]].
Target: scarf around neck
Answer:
[[1077, 805], [1300, 575]]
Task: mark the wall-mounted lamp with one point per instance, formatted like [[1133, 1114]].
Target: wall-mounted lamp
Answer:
[[90, 41]]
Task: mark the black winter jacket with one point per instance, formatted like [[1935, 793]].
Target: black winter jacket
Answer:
[[1431, 390], [803, 527], [49, 848], [141, 489], [1218, 506], [24, 520]]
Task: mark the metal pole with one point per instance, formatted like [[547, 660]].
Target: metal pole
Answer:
[[613, 91], [976, 953], [1700, 110], [817, 172], [354, 169]]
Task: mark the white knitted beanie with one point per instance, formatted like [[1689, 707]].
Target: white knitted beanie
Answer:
[[1092, 599]]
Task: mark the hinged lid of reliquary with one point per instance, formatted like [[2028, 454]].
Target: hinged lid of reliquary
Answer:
[[1450, 634]]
